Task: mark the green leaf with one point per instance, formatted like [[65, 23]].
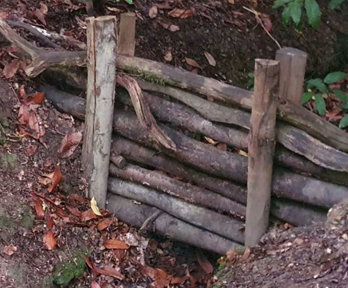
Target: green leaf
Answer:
[[313, 13], [341, 95], [334, 77], [286, 16], [279, 3], [130, 2], [344, 122], [335, 3], [318, 84], [306, 97], [296, 11], [320, 104]]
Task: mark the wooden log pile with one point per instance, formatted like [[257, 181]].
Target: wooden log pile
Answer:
[[186, 169]]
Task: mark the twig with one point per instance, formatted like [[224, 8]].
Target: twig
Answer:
[[257, 15], [149, 221]]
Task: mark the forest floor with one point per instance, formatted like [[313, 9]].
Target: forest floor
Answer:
[[49, 234]]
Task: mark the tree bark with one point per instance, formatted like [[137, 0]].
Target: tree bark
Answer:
[[216, 162], [204, 218], [185, 191], [261, 149], [136, 214], [101, 42]]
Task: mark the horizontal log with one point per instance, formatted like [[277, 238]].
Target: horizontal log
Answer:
[[188, 118], [204, 218], [145, 156], [185, 191], [136, 214], [222, 163]]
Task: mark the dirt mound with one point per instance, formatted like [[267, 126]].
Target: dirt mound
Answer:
[[298, 258]]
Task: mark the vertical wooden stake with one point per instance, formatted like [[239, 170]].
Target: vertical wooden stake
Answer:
[[292, 73], [101, 63], [126, 43], [261, 149]]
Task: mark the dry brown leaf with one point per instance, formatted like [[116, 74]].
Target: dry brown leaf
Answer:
[[204, 263], [49, 222], [160, 277], [69, 144], [168, 56], [210, 140], [74, 211], [9, 249], [43, 8], [31, 150], [108, 271], [179, 280], [11, 68], [49, 240], [192, 62], [88, 215], [180, 13], [115, 244], [153, 12], [210, 59], [40, 213], [95, 285], [104, 223], [38, 98], [56, 178], [22, 93], [40, 16]]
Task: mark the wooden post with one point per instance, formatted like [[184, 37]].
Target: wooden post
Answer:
[[101, 63], [261, 149], [126, 43], [292, 72]]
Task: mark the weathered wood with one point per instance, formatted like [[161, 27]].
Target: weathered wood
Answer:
[[207, 219], [261, 149], [136, 214], [118, 160], [186, 191], [207, 158], [160, 161], [292, 72], [142, 110], [101, 42], [126, 42], [165, 74]]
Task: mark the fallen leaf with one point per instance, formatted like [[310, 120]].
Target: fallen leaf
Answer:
[[43, 8], [168, 56], [9, 249], [107, 271], [31, 150], [44, 180], [56, 178], [153, 12], [78, 198], [39, 210], [204, 263], [179, 280], [242, 153], [173, 28], [95, 285], [180, 13], [69, 144], [210, 140], [115, 244], [49, 240], [104, 223], [74, 211], [210, 59], [246, 254], [3, 15], [40, 16], [22, 93], [192, 62], [38, 98], [94, 207], [88, 215], [11, 68], [49, 222], [160, 277]]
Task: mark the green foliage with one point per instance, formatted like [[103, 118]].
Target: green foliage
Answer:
[[317, 88], [130, 2], [293, 10], [250, 83]]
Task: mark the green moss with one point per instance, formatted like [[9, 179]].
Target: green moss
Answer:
[[27, 217], [66, 271], [147, 76], [8, 160]]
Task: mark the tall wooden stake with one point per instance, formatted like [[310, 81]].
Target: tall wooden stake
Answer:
[[261, 149], [126, 43], [292, 73], [101, 63]]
